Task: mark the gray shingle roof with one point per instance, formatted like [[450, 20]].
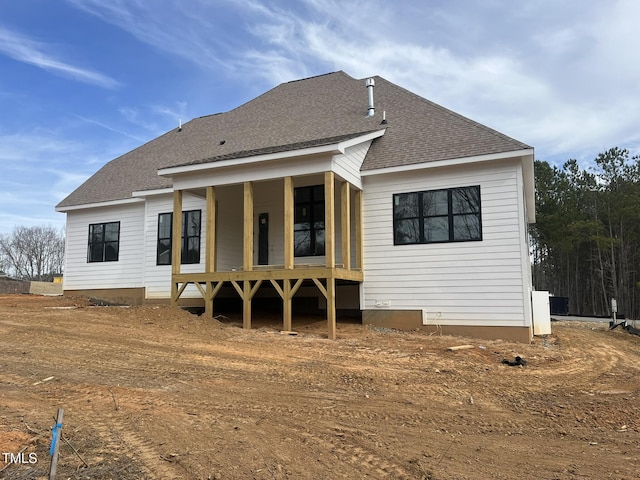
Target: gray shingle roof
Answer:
[[309, 112]]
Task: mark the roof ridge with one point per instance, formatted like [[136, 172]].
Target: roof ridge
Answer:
[[209, 115], [316, 76]]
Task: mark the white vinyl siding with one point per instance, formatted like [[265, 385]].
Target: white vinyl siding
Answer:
[[127, 271], [480, 282], [157, 278], [348, 165]]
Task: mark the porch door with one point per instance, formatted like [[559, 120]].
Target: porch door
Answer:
[[263, 239]]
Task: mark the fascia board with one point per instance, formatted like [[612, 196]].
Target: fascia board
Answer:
[[331, 149], [111, 203], [528, 178], [449, 162], [149, 193], [342, 146]]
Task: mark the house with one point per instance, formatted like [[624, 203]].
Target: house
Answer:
[[352, 194]]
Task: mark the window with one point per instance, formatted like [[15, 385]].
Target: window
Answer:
[[104, 242], [308, 229], [190, 237], [434, 216], [165, 224]]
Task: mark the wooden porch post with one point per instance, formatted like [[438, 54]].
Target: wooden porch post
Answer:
[[288, 222], [210, 247], [247, 261], [329, 220], [176, 244], [286, 305], [358, 221], [331, 308], [345, 218], [246, 305], [330, 250], [288, 252], [248, 227]]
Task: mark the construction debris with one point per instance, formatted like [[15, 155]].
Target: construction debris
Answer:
[[43, 381], [518, 361], [460, 347], [627, 328]]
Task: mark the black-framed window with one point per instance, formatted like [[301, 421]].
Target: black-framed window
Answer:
[[308, 229], [435, 216], [190, 240], [104, 242], [165, 226]]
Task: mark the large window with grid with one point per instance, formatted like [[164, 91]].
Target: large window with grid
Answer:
[[190, 240], [308, 230], [435, 216], [104, 242]]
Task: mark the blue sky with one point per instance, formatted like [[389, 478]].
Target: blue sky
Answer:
[[84, 81]]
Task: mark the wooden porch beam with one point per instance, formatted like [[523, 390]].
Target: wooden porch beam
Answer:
[[248, 227], [329, 220], [275, 274], [288, 222], [345, 218]]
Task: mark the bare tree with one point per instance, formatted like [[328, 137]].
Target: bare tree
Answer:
[[33, 253]]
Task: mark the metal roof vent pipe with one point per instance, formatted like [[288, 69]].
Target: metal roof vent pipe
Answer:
[[370, 84]]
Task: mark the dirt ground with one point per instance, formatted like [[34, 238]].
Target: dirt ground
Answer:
[[158, 393]]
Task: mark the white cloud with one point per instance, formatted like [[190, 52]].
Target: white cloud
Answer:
[[569, 86], [24, 49], [110, 128], [178, 110], [27, 148], [169, 26], [562, 77]]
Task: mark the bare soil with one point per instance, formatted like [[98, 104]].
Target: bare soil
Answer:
[[158, 393]]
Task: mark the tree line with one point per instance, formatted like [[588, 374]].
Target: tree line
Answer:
[[585, 244], [32, 253]]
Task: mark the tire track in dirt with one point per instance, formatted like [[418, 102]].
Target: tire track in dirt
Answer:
[[108, 413]]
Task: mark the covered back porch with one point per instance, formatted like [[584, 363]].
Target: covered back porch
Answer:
[[281, 232]]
